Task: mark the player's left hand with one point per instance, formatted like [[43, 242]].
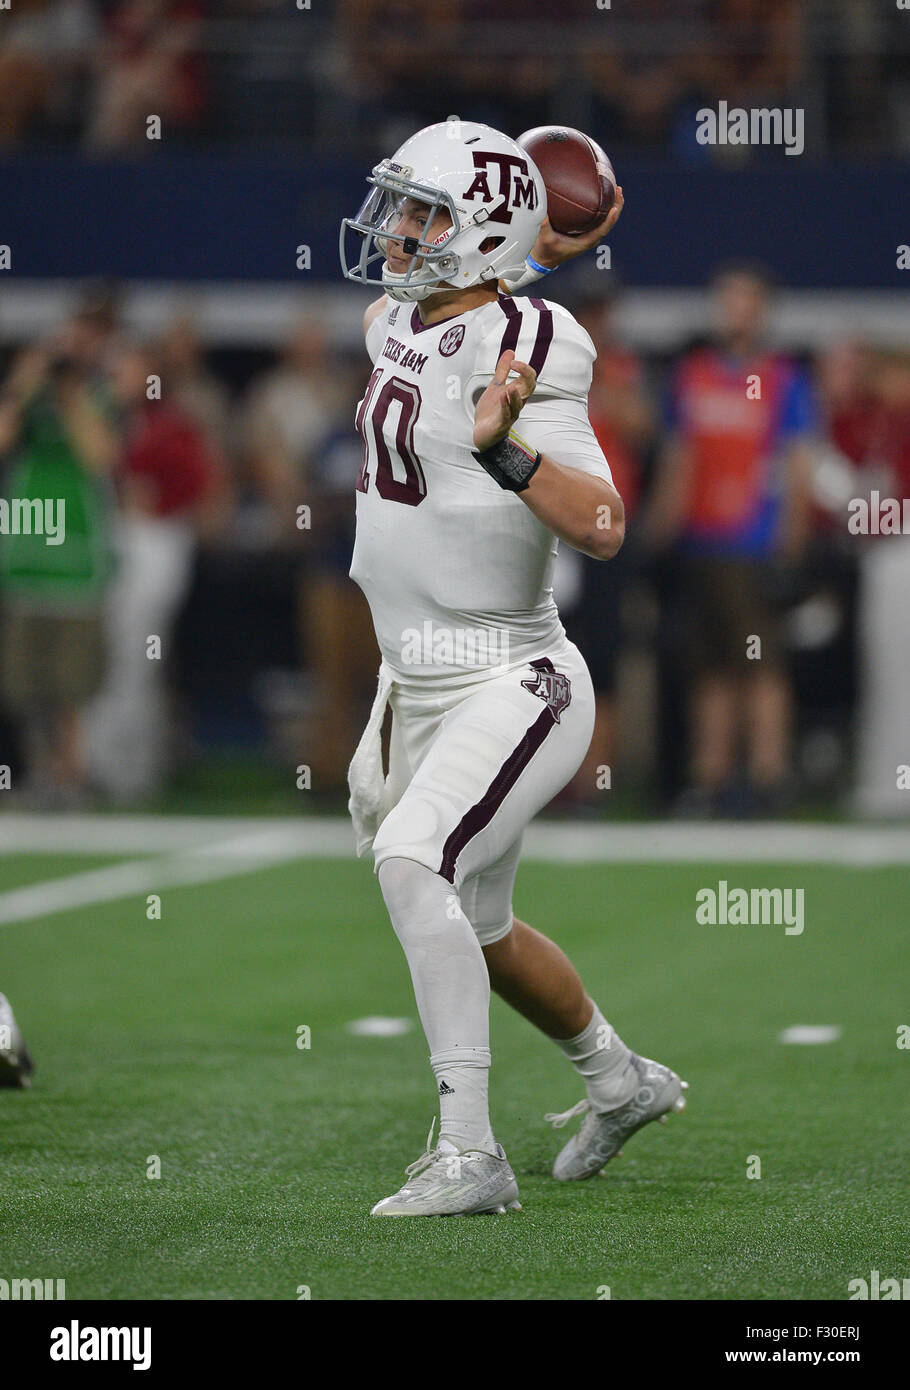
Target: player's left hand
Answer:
[[501, 403], [552, 248]]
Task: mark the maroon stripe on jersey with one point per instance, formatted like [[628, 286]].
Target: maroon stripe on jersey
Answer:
[[544, 335], [480, 815], [513, 326]]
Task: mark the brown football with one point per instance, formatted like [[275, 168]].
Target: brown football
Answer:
[[578, 175]]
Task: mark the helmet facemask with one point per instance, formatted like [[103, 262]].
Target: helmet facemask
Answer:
[[381, 211]]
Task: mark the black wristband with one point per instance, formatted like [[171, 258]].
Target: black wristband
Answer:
[[511, 463]]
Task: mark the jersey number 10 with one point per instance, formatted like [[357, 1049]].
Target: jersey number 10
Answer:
[[371, 418]]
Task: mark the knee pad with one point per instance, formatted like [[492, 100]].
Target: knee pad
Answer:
[[410, 832], [421, 904]]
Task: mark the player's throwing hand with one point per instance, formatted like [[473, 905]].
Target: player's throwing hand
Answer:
[[552, 248], [500, 405]]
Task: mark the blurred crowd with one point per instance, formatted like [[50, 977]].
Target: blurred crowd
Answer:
[[200, 596], [360, 74]]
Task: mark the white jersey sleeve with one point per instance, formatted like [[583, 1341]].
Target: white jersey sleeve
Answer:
[[376, 333], [561, 430], [555, 419]]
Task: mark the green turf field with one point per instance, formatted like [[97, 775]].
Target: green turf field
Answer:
[[178, 1038]]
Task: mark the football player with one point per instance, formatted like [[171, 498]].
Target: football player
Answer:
[[459, 509]]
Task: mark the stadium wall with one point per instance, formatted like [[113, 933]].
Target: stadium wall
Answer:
[[188, 217]]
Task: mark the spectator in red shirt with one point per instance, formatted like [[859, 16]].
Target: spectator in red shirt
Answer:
[[170, 485], [167, 467]]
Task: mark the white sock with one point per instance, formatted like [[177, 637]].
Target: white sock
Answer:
[[452, 989], [462, 1076], [601, 1059]]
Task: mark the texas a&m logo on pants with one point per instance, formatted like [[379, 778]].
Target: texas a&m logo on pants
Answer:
[[553, 687]]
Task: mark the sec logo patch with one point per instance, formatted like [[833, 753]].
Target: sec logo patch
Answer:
[[451, 340]]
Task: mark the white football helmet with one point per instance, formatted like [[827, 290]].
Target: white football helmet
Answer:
[[491, 189]]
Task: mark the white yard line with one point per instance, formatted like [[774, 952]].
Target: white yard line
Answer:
[[200, 858], [672, 842], [202, 849], [25, 833], [553, 841], [136, 878]]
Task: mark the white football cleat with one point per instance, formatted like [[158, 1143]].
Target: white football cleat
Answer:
[[452, 1183], [602, 1136], [16, 1066]]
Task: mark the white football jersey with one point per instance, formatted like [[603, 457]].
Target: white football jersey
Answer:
[[456, 570]]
